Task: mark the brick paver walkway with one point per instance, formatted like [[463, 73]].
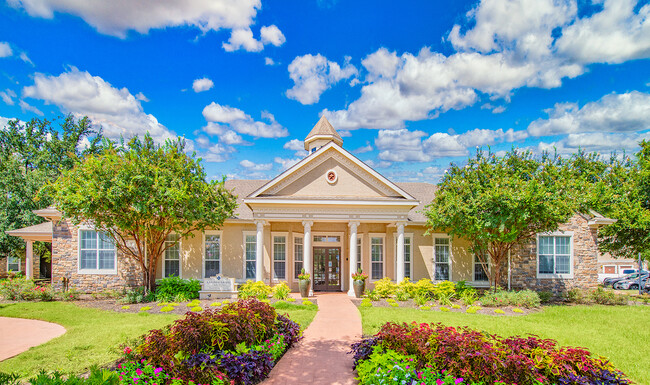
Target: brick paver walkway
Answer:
[[320, 357], [18, 335]]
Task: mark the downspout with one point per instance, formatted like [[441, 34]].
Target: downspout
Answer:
[[508, 269]]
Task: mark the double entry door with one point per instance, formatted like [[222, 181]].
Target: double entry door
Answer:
[[327, 268]]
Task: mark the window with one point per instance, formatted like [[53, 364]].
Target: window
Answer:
[[279, 257], [554, 255], [212, 257], [327, 238], [13, 264], [297, 256], [172, 261], [251, 253], [481, 268], [359, 260], [441, 261], [377, 258], [408, 256], [96, 252]]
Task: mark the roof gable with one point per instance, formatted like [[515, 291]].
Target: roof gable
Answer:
[[305, 178]]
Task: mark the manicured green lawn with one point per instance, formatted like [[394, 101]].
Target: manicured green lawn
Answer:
[[93, 336], [620, 333]]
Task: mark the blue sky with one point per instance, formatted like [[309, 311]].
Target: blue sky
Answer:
[[411, 87]]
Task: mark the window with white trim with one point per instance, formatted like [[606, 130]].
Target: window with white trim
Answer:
[[377, 258], [408, 255], [96, 252], [441, 259], [172, 257], [481, 268], [297, 256], [279, 257], [250, 253], [13, 264], [359, 249], [212, 257], [554, 255]]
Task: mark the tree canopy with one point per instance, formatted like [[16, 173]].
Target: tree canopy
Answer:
[[496, 202], [33, 154], [139, 193]]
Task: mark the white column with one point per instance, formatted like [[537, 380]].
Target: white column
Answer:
[[353, 254], [259, 252], [29, 256], [306, 253], [399, 274]]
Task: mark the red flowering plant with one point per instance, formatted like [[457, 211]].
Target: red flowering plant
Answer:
[[359, 275]]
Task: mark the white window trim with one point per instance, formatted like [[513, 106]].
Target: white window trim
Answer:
[[92, 271], [406, 235], [476, 283], [451, 256], [245, 234], [360, 253], [571, 259], [326, 244], [220, 234], [286, 254], [293, 254], [180, 258], [20, 263], [370, 261]]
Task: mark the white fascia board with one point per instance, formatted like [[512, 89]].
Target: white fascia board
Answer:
[[329, 202]]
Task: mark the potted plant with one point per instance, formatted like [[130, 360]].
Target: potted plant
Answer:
[[303, 280], [359, 283]]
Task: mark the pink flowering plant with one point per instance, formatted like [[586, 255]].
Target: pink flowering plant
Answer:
[[141, 373], [359, 275]]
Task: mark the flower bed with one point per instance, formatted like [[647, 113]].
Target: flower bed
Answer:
[[237, 344], [436, 354]]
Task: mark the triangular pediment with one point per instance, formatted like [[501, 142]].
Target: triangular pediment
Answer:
[[311, 178]]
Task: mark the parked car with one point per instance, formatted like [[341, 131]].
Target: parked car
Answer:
[[631, 284], [610, 281]]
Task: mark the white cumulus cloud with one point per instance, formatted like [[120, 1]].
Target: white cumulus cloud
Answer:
[[272, 35], [221, 118], [5, 49], [255, 166], [203, 84], [243, 38], [314, 74]]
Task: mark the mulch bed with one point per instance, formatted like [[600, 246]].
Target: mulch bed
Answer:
[[508, 311], [182, 308]]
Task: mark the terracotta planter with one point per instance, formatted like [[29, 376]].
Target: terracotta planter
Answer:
[[359, 287], [304, 288]]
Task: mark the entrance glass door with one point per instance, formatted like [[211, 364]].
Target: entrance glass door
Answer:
[[327, 268]]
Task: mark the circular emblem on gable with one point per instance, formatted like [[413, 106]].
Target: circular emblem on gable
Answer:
[[331, 176]]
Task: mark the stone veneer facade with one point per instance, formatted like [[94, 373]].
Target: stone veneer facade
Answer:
[[585, 261], [65, 262]]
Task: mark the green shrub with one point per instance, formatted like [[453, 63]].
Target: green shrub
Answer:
[[17, 289], [455, 306], [145, 308], [517, 310], [462, 287], [291, 300], [445, 298], [442, 308], [401, 294], [307, 302], [545, 296], [394, 304], [137, 295], [373, 295], [468, 297], [71, 294], [215, 304], [420, 299], [97, 377], [423, 288], [126, 307], [472, 309], [425, 307], [281, 291], [166, 309], [177, 289], [606, 297], [522, 298], [10, 378], [445, 289], [366, 303], [385, 287], [254, 289], [197, 308], [499, 311]]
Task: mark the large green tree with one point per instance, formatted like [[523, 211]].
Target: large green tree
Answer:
[[33, 154], [497, 202], [139, 193]]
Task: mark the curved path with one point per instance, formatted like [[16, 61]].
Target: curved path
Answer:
[[321, 356], [18, 335]]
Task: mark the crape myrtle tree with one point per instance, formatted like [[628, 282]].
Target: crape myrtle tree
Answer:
[[139, 193], [497, 202], [33, 154]]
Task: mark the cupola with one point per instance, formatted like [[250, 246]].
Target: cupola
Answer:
[[322, 134]]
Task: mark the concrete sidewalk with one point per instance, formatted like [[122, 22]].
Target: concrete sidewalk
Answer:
[[18, 335], [320, 358]]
